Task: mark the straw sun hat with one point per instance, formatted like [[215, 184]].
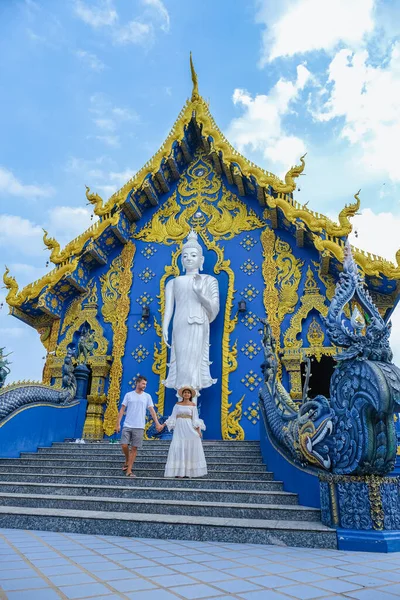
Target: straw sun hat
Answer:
[[187, 387]]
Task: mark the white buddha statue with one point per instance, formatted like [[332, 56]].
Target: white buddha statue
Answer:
[[195, 298]]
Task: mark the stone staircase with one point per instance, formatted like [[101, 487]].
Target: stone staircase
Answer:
[[81, 488]]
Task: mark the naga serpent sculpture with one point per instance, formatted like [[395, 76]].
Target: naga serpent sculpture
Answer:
[[352, 431]]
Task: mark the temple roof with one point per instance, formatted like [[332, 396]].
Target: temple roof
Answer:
[[194, 128]]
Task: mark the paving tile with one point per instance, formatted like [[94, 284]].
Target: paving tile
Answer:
[[221, 564], [276, 568], [131, 563], [337, 585], [391, 589], [302, 591], [244, 572], [173, 580], [13, 564], [331, 572], [73, 592], [25, 574], [306, 576], [42, 594], [172, 560], [61, 570], [264, 595], [212, 576], [387, 566], [367, 580], [46, 562], [152, 571], [271, 581], [186, 568], [236, 586], [153, 595], [131, 585], [388, 575], [359, 569], [194, 592], [23, 584], [372, 595], [115, 575], [71, 579]]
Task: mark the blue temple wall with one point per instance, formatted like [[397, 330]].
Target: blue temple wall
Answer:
[[36, 426]]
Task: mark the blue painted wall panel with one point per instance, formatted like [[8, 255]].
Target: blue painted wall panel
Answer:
[[40, 426]]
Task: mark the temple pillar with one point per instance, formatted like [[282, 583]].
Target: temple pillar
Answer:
[[292, 363], [93, 428], [82, 373]]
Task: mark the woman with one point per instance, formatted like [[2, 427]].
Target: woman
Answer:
[[186, 455]]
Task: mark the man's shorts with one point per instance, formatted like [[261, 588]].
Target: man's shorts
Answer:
[[132, 436]]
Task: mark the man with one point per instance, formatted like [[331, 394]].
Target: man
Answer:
[[135, 404]]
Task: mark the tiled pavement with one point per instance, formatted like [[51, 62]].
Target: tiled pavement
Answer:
[[37, 565]]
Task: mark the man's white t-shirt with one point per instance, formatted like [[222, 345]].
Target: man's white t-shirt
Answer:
[[136, 406]]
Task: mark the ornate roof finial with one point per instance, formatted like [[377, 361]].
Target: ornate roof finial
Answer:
[[195, 89]]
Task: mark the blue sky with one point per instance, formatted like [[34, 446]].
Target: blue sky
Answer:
[[90, 89]]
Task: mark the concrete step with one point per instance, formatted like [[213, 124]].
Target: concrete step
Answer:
[[163, 507], [201, 483], [223, 444], [211, 494], [115, 462], [140, 470], [230, 456], [254, 531]]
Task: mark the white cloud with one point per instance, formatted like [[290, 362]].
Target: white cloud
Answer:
[[108, 119], [21, 235], [109, 140], [139, 31], [305, 25], [367, 98], [90, 60], [260, 128], [124, 114], [159, 12], [377, 233], [11, 332], [11, 186], [100, 174], [68, 222], [134, 32], [99, 14], [107, 124]]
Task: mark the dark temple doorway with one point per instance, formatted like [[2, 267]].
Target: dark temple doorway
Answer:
[[321, 373]]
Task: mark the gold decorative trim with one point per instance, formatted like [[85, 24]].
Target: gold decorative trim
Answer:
[[334, 502], [93, 427], [234, 429], [87, 313], [116, 303], [288, 278], [375, 498], [270, 292], [51, 347], [311, 299], [229, 354], [15, 297]]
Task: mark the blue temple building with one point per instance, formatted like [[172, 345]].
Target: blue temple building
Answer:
[[103, 302], [271, 254]]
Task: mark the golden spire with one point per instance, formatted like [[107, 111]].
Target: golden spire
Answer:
[[195, 89]]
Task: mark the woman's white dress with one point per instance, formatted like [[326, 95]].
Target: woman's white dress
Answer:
[[186, 455]]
